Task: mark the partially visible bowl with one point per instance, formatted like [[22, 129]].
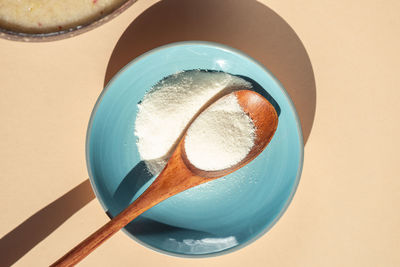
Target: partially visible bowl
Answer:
[[65, 33], [211, 219]]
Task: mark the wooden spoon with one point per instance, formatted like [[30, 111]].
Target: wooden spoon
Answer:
[[180, 175]]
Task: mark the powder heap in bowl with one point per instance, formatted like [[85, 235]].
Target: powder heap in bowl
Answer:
[[171, 105], [43, 16]]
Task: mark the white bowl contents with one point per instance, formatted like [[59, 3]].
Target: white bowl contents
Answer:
[[170, 106], [43, 16], [221, 136]]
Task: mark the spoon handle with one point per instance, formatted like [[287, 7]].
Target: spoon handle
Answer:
[[158, 191]]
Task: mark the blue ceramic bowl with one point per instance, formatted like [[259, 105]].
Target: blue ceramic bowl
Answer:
[[211, 219]]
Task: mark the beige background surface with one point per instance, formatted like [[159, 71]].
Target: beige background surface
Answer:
[[346, 209]]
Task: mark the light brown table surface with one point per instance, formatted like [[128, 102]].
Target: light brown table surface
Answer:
[[346, 209]]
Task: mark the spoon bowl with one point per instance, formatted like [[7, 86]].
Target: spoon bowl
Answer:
[[179, 175], [265, 120]]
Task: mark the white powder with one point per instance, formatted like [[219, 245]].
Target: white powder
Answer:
[[221, 136], [168, 108]]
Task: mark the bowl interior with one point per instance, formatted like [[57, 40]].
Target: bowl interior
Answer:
[[68, 31], [212, 218]]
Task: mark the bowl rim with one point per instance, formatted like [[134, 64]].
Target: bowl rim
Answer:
[[291, 105], [67, 33]]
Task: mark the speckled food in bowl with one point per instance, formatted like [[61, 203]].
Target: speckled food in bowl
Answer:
[[42, 20]]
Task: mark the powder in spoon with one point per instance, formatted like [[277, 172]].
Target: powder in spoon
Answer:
[[170, 105], [221, 136]]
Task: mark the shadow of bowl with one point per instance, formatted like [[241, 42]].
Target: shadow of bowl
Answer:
[[245, 25]]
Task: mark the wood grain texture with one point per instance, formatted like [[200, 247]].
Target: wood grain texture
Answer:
[[179, 175]]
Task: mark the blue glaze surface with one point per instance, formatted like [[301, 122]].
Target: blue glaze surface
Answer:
[[215, 217]]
